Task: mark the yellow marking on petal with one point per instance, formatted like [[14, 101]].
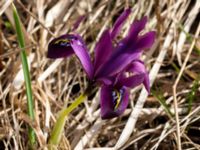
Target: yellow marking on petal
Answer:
[[118, 100], [62, 41]]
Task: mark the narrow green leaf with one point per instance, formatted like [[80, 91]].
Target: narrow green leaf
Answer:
[[162, 100], [60, 123], [191, 95], [175, 67], [26, 72]]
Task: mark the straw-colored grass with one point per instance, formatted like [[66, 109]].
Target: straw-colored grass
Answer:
[[173, 63]]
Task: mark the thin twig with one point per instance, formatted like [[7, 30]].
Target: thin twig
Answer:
[[175, 88], [32, 15], [15, 51]]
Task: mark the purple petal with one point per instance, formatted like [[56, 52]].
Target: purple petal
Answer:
[[117, 64], [128, 50], [132, 81], [113, 101], [119, 23], [103, 49], [106, 81], [81, 52], [147, 82], [136, 66], [139, 68], [146, 41], [125, 54], [136, 27], [60, 47]]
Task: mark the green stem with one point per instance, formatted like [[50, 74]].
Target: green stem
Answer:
[[26, 72], [60, 123]]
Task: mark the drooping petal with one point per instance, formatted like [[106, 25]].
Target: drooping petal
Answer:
[[103, 49], [81, 52], [119, 23], [113, 101], [147, 82], [67, 45], [60, 47], [139, 68]]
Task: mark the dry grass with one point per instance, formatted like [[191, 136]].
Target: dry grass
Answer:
[[173, 63]]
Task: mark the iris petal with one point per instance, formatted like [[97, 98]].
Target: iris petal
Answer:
[[119, 23], [136, 66], [132, 81], [117, 64], [103, 49], [146, 41], [82, 53], [113, 101], [67, 45], [136, 27], [60, 47], [139, 68], [147, 82], [128, 50]]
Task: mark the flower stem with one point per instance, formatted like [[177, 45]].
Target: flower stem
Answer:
[[60, 123]]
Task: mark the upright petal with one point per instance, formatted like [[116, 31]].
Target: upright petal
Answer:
[[103, 49], [128, 49], [81, 52], [60, 47], [136, 27], [134, 41], [113, 101], [119, 23], [146, 41], [125, 54], [117, 63]]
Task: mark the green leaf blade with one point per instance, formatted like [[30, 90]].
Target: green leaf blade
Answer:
[[26, 72]]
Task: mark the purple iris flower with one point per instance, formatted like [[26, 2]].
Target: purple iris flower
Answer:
[[117, 67]]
